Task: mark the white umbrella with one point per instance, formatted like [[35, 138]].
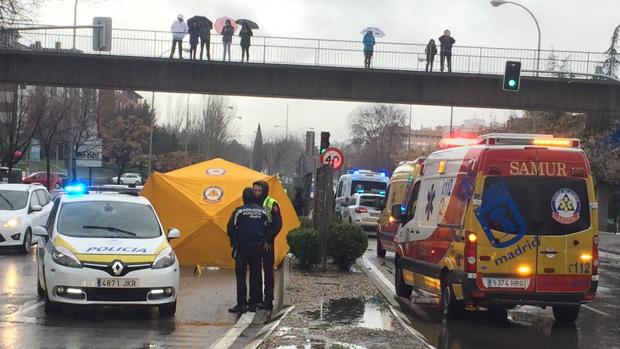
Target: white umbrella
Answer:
[[375, 31]]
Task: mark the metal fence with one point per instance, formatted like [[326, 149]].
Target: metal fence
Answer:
[[316, 52]]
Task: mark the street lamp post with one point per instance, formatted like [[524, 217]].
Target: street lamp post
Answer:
[[497, 3], [74, 21]]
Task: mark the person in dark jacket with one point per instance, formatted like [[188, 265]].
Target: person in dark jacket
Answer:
[[369, 45], [431, 51], [245, 34], [205, 40], [446, 42], [227, 34], [298, 202], [247, 230], [194, 32], [274, 225]]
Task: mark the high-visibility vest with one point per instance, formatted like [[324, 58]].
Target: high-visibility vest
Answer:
[[268, 206]]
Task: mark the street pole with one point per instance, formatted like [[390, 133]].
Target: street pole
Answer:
[[151, 133], [74, 21], [187, 125], [497, 3], [286, 129], [409, 137], [451, 117]]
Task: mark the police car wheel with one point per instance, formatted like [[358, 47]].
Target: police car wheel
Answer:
[[168, 310], [380, 250], [27, 244], [402, 289], [566, 314]]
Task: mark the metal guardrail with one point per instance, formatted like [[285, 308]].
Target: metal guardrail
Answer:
[[314, 52]]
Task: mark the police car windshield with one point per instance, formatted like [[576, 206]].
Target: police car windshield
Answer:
[[538, 205], [108, 219], [12, 200], [368, 187]]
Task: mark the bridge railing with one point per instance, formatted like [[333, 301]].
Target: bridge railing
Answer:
[[317, 52]]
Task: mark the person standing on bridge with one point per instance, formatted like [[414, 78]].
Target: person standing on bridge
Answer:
[[245, 34], [446, 42], [227, 34], [194, 32], [274, 225], [246, 229], [205, 39], [431, 51], [179, 29], [369, 45]]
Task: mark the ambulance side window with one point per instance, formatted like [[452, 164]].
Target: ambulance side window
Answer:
[[411, 207]]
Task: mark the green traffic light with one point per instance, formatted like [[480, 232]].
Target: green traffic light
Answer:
[[512, 83]]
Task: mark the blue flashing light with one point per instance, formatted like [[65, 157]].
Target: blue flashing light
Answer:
[[383, 174], [360, 191], [356, 172], [382, 192], [76, 189]]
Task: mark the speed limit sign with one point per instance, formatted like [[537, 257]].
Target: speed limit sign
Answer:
[[334, 157]]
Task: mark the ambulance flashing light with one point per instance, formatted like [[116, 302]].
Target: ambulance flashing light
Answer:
[[528, 139]]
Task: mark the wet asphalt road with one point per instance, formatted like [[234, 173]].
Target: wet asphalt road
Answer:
[[201, 317], [598, 325]]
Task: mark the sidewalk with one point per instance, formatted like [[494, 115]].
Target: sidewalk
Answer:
[[609, 243]]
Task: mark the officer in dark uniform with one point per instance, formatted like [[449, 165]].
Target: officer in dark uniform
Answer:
[[246, 229], [274, 216]]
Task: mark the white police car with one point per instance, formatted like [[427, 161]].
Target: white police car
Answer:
[[22, 207], [106, 249]]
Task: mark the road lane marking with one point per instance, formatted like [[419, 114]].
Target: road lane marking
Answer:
[[596, 310], [231, 336]]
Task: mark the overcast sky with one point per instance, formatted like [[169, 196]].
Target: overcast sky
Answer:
[[565, 25]]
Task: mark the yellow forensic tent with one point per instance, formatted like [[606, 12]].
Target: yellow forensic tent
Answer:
[[199, 199]]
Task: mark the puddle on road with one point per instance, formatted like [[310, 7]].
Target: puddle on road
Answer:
[[370, 313], [8, 309]]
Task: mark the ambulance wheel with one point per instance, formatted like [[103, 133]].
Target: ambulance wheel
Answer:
[[566, 314], [450, 307], [380, 250], [497, 313], [402, 289], [168, 310]]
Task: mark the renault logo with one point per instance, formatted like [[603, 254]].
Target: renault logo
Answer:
[[117, 268]]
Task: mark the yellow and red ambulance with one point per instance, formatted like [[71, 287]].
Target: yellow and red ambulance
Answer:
[[509, 221]]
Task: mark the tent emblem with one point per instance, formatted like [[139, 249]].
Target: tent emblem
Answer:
[[213, 195], [216, 172]]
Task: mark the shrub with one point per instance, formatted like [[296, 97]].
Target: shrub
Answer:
[[304, 244], [305, 222], [346, 244]]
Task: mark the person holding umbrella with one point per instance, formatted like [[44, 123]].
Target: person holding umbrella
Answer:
[[179, 29], [194, 32], [227, 34], [205, 39], [369, 44], [245, 34]]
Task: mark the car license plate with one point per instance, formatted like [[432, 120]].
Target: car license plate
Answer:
[[117, 283], [374, 215], [506, 283]]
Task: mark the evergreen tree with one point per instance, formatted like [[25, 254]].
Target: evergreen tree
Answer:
[[257, 153]]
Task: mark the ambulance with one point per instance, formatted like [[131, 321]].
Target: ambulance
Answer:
[[509, 221], [400, 185], [360, 182]]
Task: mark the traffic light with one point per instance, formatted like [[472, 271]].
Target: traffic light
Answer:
[[512, 76], [324, 142]]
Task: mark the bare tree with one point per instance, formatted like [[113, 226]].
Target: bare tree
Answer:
[[20, 116], [281, 155], [376, 131], [14, 12], [84, 121]]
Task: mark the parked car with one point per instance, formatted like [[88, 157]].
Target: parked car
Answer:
[[361, 211], [41, 177], [128, 179], [22, 207]]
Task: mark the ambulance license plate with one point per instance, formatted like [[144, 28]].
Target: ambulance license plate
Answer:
[[117, 283], [506, 283]]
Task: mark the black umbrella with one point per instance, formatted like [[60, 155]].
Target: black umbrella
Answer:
[[247, 22], [200, 20]]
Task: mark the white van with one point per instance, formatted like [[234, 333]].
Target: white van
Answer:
[[359, 181]]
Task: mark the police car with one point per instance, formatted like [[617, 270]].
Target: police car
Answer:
[[106, 249]]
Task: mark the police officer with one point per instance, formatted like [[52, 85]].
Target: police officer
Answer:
[[274, 216], [247, 228]]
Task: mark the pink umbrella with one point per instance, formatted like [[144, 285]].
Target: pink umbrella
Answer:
[[221, 22]]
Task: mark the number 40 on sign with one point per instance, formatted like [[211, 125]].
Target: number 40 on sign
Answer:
[[334, 157]]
